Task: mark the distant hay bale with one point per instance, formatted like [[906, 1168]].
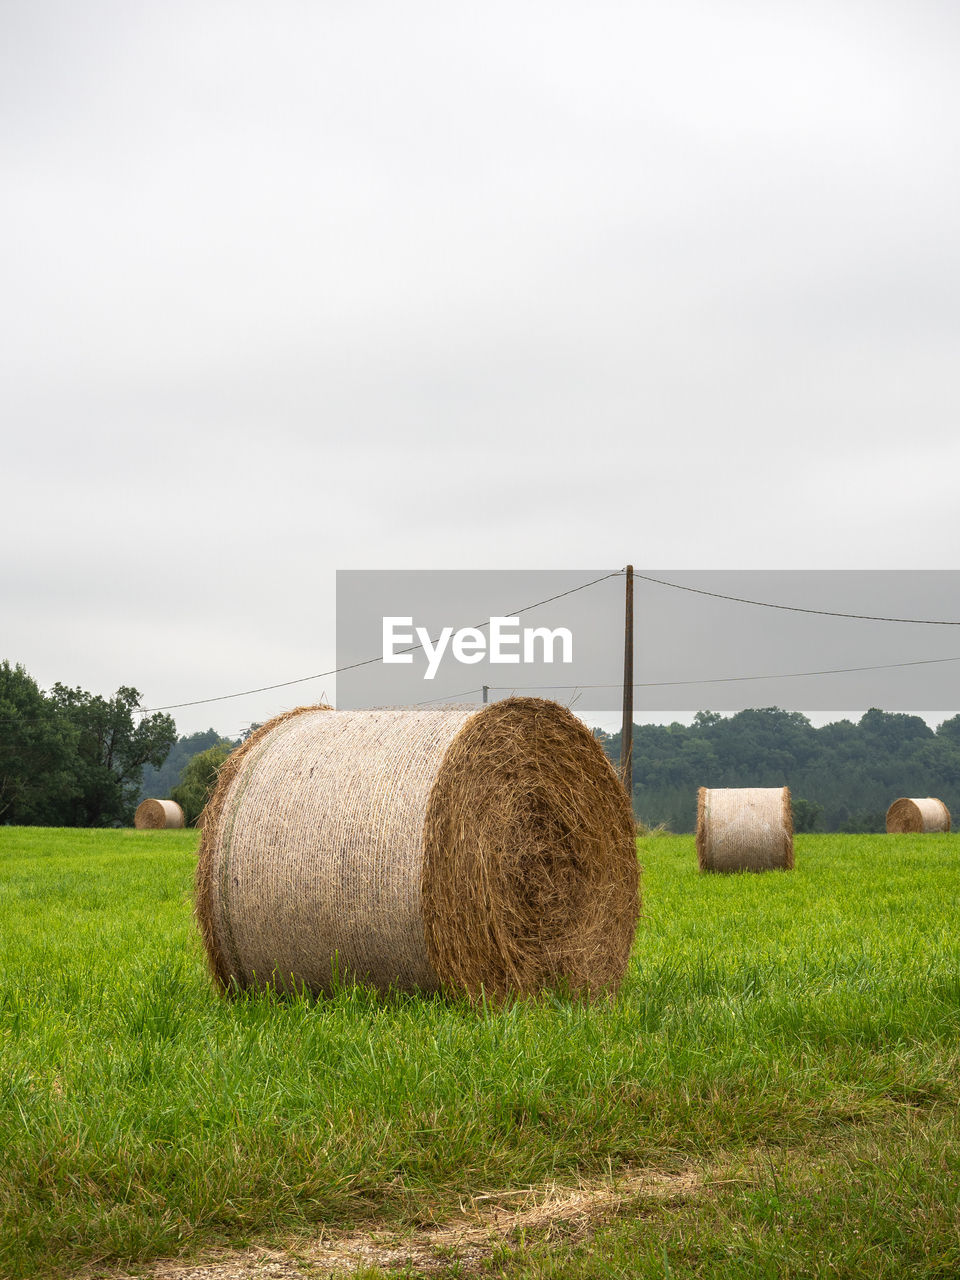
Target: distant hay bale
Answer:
[[744, 829], [419, 848], [926, 815], [155, 815]]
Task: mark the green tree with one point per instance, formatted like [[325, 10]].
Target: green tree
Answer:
[[110, 753], [160, 782], [198, 779], [893, 730], [847, 773], [707, 719], [37, 751], [806, 814], [950, 729]]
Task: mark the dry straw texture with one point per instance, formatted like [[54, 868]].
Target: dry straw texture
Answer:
[[433, 848], [744, 829], [928, 814], [156, 815]]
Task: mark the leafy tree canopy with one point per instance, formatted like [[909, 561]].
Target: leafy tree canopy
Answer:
[[843, 776], [110, 753], [159, 782], [72, 758], [37, 752], [198, 779]]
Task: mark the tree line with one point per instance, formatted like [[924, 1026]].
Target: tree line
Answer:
[[190, 771], [843, 776], [72, 758], [69, 758]]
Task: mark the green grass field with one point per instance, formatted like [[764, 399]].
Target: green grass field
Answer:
[[790, 1041]]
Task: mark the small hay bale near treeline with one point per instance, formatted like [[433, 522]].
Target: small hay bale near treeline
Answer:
[[912, 815], [158, 815], [744, 829], [419, 848]]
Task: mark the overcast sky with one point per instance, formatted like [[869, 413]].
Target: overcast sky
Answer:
[[289, 288]]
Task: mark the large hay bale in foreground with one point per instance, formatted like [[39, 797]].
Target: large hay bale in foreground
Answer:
[[927, 814], [156, 815], [744, 829], [420, 848]]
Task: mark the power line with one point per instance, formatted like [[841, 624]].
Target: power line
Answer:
[[285, 684], [647, 684], [794, 608], [783, 675], [676, 586], [448, 697]]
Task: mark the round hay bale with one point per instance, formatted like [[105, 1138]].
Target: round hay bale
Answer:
[[928, 814], [157, 815], [744, 829], [419, 848]]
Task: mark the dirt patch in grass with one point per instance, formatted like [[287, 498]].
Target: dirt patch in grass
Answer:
[[486, 1221]]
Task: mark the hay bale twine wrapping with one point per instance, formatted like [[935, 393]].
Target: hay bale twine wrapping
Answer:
[[744, 829], [420, 848], [156, 815], [925, 815]]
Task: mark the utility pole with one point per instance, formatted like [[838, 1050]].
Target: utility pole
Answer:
[[626, 728], [486, 690]]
